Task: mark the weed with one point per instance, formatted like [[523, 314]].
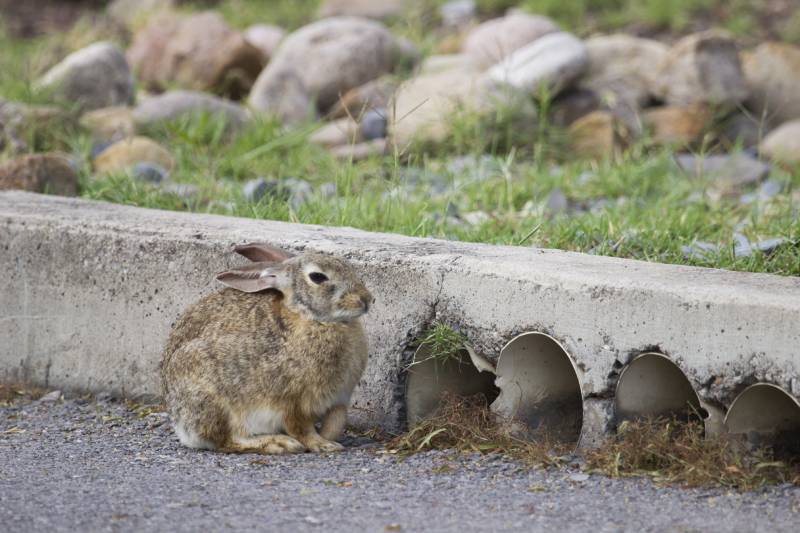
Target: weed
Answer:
[[467, 425], [442, 343], [674, 452]]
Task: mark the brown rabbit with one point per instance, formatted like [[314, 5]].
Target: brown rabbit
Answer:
[[253, 367]]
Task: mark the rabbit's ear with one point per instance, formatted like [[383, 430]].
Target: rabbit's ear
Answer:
[[262, 252], [253, 278]]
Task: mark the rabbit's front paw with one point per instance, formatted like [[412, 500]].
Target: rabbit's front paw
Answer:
[[322, 445]]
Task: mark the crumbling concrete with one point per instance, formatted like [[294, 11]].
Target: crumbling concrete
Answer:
[[90, 290]]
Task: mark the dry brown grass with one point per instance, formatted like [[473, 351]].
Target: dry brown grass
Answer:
[[467, 425], [673, 452], [19, 391]]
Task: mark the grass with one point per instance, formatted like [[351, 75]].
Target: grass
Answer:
[[678, 453], [667, 451], [467, 425], [442, 343], [489, 182]]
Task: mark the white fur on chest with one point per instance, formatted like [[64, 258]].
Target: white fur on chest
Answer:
[[263, 421]]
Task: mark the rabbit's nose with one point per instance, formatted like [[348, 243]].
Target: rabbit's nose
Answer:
[[367, 300]]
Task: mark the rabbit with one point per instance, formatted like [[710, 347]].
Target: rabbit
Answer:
[[253, 367]]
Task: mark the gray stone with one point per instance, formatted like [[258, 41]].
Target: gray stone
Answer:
[[329, 57], [551, 63], [703, 68], [266, 38], [727, 170], [362, 150], [773, 76], [254, 190], [186, 191], [621, 68], [173, 105], [767, 191], [782, 144], [93, 77], [337, 133], [745, 248], [51, 397], [149, 172], [374, 9], [457, 14], [374, 124], [496, 39], [700, 250], [557, 202]]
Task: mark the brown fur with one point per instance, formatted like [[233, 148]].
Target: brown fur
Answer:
[[297, 349]]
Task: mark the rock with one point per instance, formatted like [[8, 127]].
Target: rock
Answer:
[[730, 171], [699, 250], [94, 77], [768, 190], [597, 135], [51, 397], [295, 191], [357, 152], [476, 218], [199, 52], [440, 63], [254, 190], [133, 13], [579, 478], [702, 68], [285, 96], [44, 173], [149, 172], [783, 143], [172, 105], [336, 133], [374, 124], [557, 202], [373, 9], [676, 125], [458, 14], [327, 58], [423, 105], [125, 154], [327, 189], [551, 63], [772, 71], [621, 68], [20, 122], [109, 124], [740, 130], [494, 40], [571, 105], [375, 94], [744, 248], [186, 191], [266, 38]]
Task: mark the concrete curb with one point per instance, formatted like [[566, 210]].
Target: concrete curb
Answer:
[[91, 289]]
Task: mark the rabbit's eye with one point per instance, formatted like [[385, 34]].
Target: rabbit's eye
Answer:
[[318, 277]]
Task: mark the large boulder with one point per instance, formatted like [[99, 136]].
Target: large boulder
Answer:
[[199, 52], [109, 124], [374, 9], [551, 63], [172, 105], [621, 68], [127, 153], [325, 59], [783, 143], [50, 173], [375, 94], [266, 38], [93, 77], [773, 76], [423, 106], [702, 68], [496, 39], [677, 125]]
